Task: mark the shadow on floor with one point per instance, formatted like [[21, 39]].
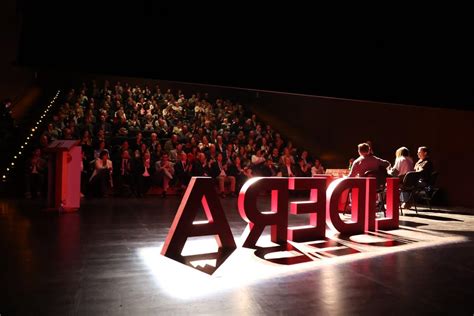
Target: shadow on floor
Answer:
[[434, 217], [412, 224]]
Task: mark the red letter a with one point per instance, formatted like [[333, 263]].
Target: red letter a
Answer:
[[200, 190]]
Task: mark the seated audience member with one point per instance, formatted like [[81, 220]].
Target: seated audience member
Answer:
[[175, 153], [403, 163], [103, 125], [303, 169], [171, 143], [134, 123], [366, 162], [52, 132], [275, 157], [269, 169], [143, 149], [34, 177], [304, 156], [219, 171], [100, 148], [201, 166], [154, 143], [138, 142], [220, 147], [101, 179], [264, 147], [229, 153], [317, 168], [165, 172], [286, 154], [287, 169], [258, 161], [182, 170], [241, 173], [125, 174], [144, 171]]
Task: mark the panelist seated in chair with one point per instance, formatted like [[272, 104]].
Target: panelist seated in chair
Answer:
[[403, 163], [366, 162], [424, 166], [418, 179]]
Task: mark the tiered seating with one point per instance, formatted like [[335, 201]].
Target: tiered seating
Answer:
[[170, 124]]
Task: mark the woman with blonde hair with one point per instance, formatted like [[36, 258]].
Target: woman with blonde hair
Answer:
[[403, 163]]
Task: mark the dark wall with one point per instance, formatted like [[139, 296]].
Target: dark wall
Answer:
[[14, 79]]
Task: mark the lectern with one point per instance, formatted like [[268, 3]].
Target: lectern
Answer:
[[64, 175]]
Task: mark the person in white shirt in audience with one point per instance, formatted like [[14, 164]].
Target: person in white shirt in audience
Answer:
[[317, 168]]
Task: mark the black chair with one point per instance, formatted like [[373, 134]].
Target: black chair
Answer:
[[381, 177], [409, 185], [427, 191]]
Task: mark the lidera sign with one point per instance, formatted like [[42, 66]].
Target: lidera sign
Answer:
[[322, 207]]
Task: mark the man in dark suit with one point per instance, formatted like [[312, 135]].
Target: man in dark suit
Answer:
[[287, 170], [125, 174], [201, 167], [182, 170], [219, 171]]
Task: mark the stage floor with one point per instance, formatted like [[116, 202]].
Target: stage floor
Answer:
[[105, 259]]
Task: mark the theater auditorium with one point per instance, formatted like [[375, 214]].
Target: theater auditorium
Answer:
[[157, 160]]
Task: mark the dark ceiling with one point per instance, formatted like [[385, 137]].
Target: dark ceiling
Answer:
[[392, 59]]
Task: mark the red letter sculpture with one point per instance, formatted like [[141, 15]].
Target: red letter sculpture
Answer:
[[393, 201], [316, 207], [358, 211], [200, 191], [277, 218]]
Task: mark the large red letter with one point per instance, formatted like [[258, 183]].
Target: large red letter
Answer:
[[200, 191], [277, 218], [358, 210], [316, 207], [393, 201]]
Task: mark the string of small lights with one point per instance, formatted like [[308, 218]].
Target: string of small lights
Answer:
[[20, 151]]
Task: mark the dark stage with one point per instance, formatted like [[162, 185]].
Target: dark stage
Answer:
[[105, 259]]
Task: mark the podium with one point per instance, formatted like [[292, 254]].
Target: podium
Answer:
[[64, 175]]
